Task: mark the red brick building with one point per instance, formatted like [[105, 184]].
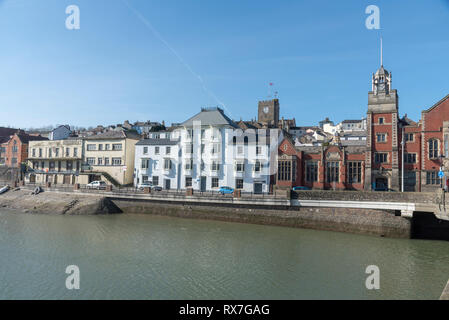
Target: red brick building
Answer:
[[399, 154], [15, 148]]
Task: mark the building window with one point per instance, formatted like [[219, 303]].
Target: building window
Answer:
[[91, 147], [116, 161], [215, 182], [258, 150], [381, 157], [40, 153], [332, 171], [100, 147], [381, 137], [167, 164], [189, 164], [91, 161], [52, 165], [67, 152], [100, 161], [381, 120], [69, 165], [240, 166], [354, 172], [433, 149], [156, 150], [106, 161], [432, 178], [311, 171], [57, 152], [215, 148], [189, 148], [446, 145], [215, 166], [117, 147], [155, 180], [239, 183], [167, 150], [257, 166], [75, 152], [144, 179], [50, 153], [145, 163], [203, 146], [33, 153], [188, 182], [410, 158], [284, 170], [145, 150], [409, 137], [107, 146]]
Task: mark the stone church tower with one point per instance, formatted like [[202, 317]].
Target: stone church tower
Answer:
[[269, 112], [382, 142]]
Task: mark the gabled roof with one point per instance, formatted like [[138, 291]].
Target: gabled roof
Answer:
[[437, 104], [212, 117], [6, 132]]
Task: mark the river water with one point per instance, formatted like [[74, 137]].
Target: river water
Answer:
[[150, 257]]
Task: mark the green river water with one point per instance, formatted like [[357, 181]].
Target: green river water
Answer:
[[150, 257]]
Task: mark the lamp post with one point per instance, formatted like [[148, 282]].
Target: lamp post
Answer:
[[403, 160]]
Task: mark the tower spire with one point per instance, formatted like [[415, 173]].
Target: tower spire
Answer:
[[381, 53]]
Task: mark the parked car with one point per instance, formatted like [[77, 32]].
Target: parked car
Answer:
[[226, 190], [300, 188], [97, 185], [156, 188], [144, 185]]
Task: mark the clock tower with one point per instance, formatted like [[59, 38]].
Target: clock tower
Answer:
[[382, 142], [269, 112]]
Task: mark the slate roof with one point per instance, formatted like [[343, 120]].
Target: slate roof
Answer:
[[157, 142], [112, 134], [213, 117]]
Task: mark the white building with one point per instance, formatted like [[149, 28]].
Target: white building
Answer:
[[158, 160], [209, 151]]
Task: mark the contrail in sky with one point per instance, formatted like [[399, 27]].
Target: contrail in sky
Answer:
[[175, 53]]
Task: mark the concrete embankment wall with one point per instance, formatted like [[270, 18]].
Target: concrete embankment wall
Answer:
[[361, 221]]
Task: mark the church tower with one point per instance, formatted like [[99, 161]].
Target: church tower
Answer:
[[382, 142], [268, 112]]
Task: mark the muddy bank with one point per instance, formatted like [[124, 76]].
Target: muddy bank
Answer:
[[57, 203]]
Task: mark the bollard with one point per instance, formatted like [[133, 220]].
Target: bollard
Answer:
[[237, 193]]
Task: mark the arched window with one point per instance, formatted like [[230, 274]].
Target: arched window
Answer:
[[245, 140], [433, 149], [234, 140]]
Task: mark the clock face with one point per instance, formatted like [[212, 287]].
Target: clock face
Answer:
[[266, 109]]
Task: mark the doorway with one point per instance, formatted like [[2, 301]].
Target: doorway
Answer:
[[381, 184], [257, 188], [203, 183], [167, 184]]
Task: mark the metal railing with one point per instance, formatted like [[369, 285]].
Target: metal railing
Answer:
[[136, 191]]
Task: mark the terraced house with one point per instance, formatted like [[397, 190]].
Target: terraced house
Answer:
[[109, 156], [56, 161]]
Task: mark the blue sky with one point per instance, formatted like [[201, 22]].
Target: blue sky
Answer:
[[182, 55]]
